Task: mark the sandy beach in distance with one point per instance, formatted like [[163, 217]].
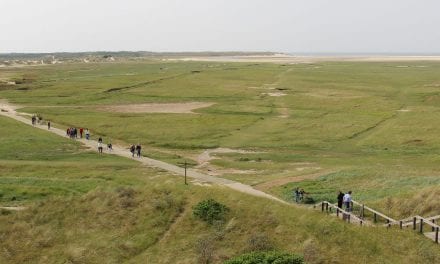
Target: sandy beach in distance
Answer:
[[292, 59]]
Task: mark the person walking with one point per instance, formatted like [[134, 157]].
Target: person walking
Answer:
[[33, 120], [138, 150], [100, 147], [109, 146], [81, 131], [296, 194], [340, 199], [87, 134], [48, 124], [132, 149], [302, 193], [347, 201]]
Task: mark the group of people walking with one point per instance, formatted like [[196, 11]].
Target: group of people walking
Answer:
[[36, 119], [136, 149], [100, 146], [299, 194], [74, 132], [344, 199]]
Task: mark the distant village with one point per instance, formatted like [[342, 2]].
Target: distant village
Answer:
[[52, 59]]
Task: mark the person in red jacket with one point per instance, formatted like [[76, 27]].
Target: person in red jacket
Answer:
[[81, 130]]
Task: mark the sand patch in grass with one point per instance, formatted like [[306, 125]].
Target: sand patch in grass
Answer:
[[173, 108]]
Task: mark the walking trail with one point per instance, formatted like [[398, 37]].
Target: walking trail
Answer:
[[9, 110]]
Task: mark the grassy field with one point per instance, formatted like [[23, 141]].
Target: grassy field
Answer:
[[367, 127], [86, 208]]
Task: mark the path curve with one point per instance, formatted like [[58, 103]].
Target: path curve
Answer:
[[9, 110]]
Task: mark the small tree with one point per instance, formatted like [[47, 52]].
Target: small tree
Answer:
[[210, 211]]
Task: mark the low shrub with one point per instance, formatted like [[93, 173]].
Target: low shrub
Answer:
[[205, 249], [259, 242], [271, 257], [309, 200], [210, 211]]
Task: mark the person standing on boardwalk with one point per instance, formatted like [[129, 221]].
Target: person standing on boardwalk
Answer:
[[340, 199], [347, 201], [87, 134], [132, 149], [81, 131], [48, 124], [138, 150]]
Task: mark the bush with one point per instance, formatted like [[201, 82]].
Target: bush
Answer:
[[210, 211], [259, 242], [270, 257]]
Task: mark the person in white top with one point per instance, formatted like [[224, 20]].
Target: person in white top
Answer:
[[347, 201], [99, 146]]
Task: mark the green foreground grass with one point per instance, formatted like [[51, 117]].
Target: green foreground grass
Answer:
[[368, 127], [87, 208]]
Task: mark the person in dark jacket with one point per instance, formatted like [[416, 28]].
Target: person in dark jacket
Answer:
[[340, 199], [132, 150], [138, 150]]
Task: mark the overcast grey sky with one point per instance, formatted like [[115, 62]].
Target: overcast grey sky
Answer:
[[312, 26]]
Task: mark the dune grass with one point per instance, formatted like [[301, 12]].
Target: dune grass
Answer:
[[86, 208]]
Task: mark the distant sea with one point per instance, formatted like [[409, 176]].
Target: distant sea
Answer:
[[363, 54]]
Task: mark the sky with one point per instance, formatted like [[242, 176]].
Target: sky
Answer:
[[295, 26]]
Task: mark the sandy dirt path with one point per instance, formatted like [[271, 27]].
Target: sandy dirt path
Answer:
[[9, 110]]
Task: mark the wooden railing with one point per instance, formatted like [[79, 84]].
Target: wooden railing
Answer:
[[421, 222], [346, 216], [375, 213], [411, 221]]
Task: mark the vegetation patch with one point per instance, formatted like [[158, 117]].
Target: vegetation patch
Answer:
[[271, 257], [210, 211]]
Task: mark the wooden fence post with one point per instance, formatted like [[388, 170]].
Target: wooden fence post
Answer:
[[414, 223], [433, 228], [337, 212], [401, 224], [348, 219], [421, 225], [436, 235], [322, 206], [375, 217], [326, 207]]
